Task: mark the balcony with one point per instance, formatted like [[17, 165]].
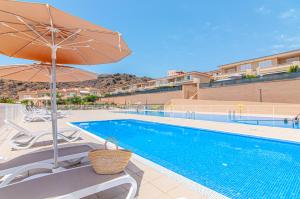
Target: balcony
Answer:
[[226, 76], [261, 78], [280, 68]]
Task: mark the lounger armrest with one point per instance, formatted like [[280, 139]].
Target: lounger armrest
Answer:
[[7, 179]]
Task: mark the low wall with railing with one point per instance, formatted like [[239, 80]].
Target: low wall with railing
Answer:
[[148, 91], [10, 112], [238, 107], [265, 78]]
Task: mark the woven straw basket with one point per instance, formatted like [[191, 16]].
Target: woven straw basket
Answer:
[[105, 161]]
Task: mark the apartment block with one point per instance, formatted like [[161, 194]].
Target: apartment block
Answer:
[[277, 63], [173, 79]]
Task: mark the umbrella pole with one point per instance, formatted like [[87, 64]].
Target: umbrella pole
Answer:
[[54, 106]]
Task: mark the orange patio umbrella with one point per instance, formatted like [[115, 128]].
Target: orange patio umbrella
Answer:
[[37, 31], [41, 72]]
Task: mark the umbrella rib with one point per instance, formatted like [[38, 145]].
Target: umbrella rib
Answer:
[[103, 42], [15, 72], [72, 35], [28, 44], [78, 52], [74, 47], [38, 42], [40, 69], [22, 17], [29, 36], [95, 31], [34, 31], [13, 66], [12, 32], [89, 30], [80, 42], [50, 16], [11, 22]]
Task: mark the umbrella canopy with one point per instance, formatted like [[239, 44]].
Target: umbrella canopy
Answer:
[[41, 72], [41, 32], [26, 31]]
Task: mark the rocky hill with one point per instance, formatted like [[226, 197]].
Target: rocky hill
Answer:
[[105, 83]]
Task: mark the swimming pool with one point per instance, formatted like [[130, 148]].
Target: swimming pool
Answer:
[[252, 120], [233, 165]]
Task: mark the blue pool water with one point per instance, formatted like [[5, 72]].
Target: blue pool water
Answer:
[[252, 120], [233, 165]]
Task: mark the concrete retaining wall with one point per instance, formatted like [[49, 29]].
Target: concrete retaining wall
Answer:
[[287, 91], [150, 98]]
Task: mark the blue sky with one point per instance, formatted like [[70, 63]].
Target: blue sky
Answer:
[[189, 35]]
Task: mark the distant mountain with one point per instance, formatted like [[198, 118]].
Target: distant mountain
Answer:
[[105, 83]]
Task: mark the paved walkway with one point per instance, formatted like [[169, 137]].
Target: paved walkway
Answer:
[[154, 182]]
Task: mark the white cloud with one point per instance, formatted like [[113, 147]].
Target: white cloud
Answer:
[[288, 14], [263, 10], [286, 42]]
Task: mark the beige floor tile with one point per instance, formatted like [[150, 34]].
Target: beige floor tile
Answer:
[[149, 174], [148, 191], [184, 193], [138, 164], [164, 196], [164, 183]]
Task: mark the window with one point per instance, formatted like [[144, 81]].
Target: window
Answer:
[[245, 67], [290, 60], [265, 64], [188, 77], [230, 70], [179, 79]]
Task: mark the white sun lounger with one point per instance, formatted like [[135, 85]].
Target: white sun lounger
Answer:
[[68, 184], [24, 139], [70, 154], [43, 113], [32, 117], [33, 114]]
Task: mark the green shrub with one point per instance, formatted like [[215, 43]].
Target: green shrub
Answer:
[[293, 69], [61, 101], [7, 100], [75, 100], [91, 98], [250, 76]]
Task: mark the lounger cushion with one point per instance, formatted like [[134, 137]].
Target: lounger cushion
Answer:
[[43, 155], [57, 184]]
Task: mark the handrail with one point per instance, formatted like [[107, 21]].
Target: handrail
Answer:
[[264, 78]]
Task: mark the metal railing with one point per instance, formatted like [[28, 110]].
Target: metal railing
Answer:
[[235, 110], [86, 107], [10, 112], [265, 78], [154, 90]]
